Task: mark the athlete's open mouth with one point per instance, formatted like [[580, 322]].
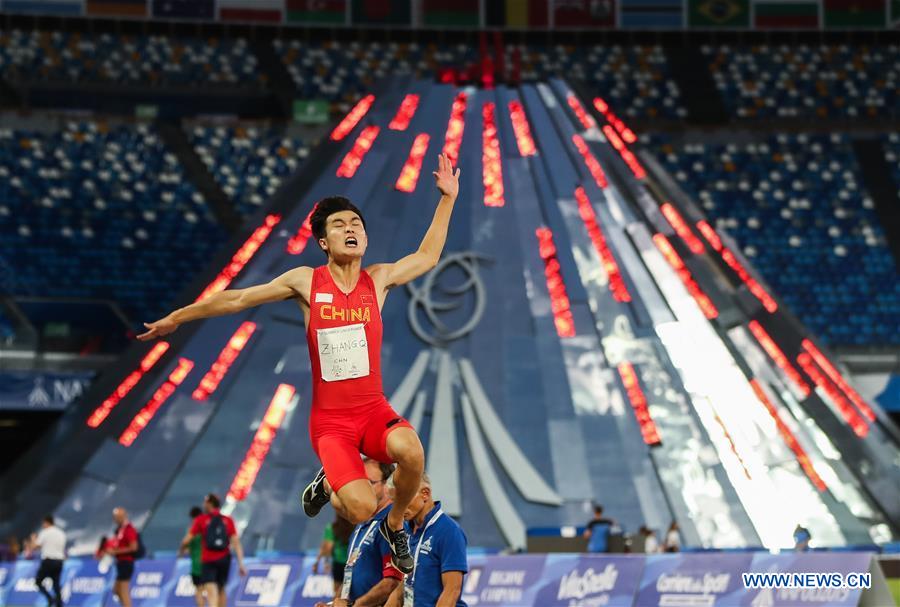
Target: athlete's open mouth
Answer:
[[351, 242]]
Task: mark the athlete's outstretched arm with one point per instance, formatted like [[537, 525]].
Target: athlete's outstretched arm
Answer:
[[292, 284], [426, 257]]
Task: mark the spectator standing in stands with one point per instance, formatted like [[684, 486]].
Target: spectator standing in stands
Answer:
[[196, 551], [438, 545], [801, 538], [123, 546], [219, 538], [673, 539], [651, 544], [51, 541], [334, 546], [370, 577], [597, 531]]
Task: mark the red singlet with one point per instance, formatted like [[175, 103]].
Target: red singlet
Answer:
[[350, 413], [329, 308]]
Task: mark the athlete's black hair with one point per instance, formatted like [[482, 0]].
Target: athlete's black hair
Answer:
[[213, 500], [329, 206], [48, 519], [196, 511]]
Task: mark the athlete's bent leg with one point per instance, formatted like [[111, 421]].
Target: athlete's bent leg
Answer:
[[355, 501], [405, 448]]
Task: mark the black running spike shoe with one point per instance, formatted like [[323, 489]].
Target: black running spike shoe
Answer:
[[314, 496], [399, 543]]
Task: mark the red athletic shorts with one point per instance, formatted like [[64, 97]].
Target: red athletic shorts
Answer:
[[340, 435]]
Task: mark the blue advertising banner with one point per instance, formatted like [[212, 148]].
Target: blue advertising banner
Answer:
[[29, 391], [152, 582], [23, 590], [269, 584], [692, 579], [5, 578], [89, 585], [312, 587], [805, 562], [182, 591]]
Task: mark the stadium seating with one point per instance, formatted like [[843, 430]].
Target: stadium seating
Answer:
[[108, 58], [634, 80], [342, 72], [796, 206], [104, 212], [248, 162], [891, 144], [807, 81]]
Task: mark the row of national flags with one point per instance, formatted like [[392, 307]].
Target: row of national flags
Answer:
[[513, 14]]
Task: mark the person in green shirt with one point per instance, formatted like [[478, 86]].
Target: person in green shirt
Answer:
[[196, 549], [335, 543]]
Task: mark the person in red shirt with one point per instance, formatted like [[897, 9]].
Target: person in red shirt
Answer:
[[218, 539], [341, 303], [123, 546]]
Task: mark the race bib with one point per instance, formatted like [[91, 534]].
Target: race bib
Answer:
[[343, 352], [408, 596]]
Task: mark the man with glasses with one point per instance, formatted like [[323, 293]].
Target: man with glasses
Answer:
[[370, 577]]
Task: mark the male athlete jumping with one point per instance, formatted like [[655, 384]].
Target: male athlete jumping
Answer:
[[341, 304]]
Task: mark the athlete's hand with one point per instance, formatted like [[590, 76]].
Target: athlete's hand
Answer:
[[446, 180], [242, 570], [161, 327]]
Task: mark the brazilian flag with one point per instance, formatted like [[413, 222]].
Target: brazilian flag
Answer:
[[719, 13]]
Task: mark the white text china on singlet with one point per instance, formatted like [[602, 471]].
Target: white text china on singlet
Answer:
[[343, 352]]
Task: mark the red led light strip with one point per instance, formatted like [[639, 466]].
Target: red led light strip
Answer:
[[591, 161], [455, 127], [775, 353], [682, 229], [732, 445], [100, 414], [789, 438], [352, 118], [262, 442], [241, 258], [360, 148], [753, 286], [616, 281], [838, 379], [639, 404], [630, 159], [492, 174], [297, 243], [521, 129], [626, 133], [226, 358], [586, 120], [404, 113], [857, 423], [705, 303], [409, 175], [559, 298], [162, 394]]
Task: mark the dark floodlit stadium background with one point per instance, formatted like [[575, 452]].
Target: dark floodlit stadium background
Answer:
[[150, 149]]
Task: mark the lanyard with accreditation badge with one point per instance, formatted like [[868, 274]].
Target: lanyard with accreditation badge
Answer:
[[408, 594], [348, 572]]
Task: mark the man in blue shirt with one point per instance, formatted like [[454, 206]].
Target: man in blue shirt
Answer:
[[438, 546], [370, 577]]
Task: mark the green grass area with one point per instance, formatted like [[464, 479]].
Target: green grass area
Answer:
[[894, 585]]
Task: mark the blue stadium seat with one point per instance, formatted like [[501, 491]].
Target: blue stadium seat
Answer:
[[105, 212], [109, 58], [807, 81], [249, 163], [796, 206]]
